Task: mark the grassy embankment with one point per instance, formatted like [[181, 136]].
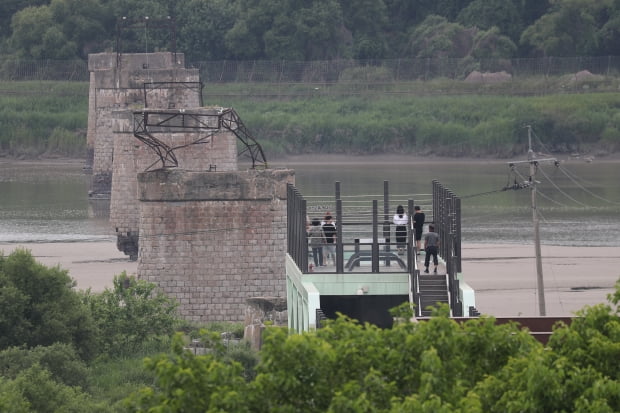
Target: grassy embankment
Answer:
[[50, 118]]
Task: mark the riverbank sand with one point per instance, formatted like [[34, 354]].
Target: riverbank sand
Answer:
[[502, 276]]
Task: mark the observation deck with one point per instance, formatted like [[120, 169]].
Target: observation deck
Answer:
[[370, 273]]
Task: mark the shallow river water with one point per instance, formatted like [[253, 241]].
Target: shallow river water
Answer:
[[579, 202]]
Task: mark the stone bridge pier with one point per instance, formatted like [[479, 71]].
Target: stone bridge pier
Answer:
[[117, 82], [214, 239]]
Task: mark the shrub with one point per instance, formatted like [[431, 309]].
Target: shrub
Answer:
[[38, 307], [131, 315]]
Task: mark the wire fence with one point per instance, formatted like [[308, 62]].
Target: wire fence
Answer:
[[358, 76]]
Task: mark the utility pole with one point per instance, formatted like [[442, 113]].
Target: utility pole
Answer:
[[540, 285]]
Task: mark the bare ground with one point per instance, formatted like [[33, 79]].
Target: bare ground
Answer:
[[503, 276]]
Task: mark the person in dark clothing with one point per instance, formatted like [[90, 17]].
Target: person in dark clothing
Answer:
[[431, 246], [418, 226], [316, 239], [329, 249]]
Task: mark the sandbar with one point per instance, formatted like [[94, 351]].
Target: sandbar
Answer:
[[503, 276]]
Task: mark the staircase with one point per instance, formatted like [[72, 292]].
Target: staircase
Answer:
[[433, 289]]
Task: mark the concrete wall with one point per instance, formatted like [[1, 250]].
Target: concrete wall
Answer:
[[117, 84], [214, 239], [131, 156]]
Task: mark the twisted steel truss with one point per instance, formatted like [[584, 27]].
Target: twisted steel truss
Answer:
[[147, 124]]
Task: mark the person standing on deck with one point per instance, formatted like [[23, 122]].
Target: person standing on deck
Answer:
[[431, 246], [400, 220], [329, 229], [316, 239], [418, 226]]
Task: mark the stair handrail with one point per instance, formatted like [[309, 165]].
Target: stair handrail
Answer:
[[414, 271]]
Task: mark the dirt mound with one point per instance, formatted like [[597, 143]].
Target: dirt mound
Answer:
[[488, 77]]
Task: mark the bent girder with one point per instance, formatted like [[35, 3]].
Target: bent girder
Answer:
[[147, 123]]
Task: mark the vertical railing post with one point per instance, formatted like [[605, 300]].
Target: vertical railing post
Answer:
[[386, 220], [339, 224], [375, 237], [304, 238], [411, 253], [457, 245], [339, 245]]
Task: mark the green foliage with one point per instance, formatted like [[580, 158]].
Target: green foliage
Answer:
[[60, 360], [311, 30], [131, 315], [486, 14], [49, 118], [202, 27], [572, 28], [44, 394], [39, 308], [192, 383], [11, 400], [112, 380], [434, 366], [43, 118]]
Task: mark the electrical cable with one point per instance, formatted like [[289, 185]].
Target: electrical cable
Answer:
[[560, 190], [586, 189], [573, 177], [548, 198]]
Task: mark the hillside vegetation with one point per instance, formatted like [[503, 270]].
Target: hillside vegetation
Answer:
[[207, 30], [47, 119]]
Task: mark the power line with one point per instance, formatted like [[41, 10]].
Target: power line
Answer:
[[560, 190], [586, 189], [573, 177]]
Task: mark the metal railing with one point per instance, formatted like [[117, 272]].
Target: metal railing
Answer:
[[447, 217], [364, 230]]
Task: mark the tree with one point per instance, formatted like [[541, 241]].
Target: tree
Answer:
[[366, 20], [29, 26], [131, 314], [286, 29], [193, 383], [436, 37], [569, 29], [491, 44], [144, 23], [9, 7], [66, 29], [434, 366], [202, 28], [485, 14], [60, 359], [83, 23], [39, 307]]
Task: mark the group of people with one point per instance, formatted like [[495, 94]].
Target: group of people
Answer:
[[322, 237], [322, 240], [431, 238]]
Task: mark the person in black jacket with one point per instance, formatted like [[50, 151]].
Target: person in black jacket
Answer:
[[418, 226]]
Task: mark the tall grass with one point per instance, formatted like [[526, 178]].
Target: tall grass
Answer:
[[43, 118], [446, 118]]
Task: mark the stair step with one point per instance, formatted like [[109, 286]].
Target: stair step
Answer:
[[432, 282], [429, 301]]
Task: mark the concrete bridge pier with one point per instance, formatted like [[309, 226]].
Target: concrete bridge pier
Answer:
[[214, 239]]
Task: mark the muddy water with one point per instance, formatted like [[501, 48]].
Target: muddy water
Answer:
[[579, 202]]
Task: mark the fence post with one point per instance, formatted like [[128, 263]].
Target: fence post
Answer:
[[375, 237]]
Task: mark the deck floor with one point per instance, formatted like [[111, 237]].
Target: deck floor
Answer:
[[366, 265]]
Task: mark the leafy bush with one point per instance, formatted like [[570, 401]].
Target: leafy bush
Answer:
[[132, 315], [61, 360], [38, 307], [434, 366]]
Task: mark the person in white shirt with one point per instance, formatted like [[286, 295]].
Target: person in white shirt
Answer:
[[401, 220]]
